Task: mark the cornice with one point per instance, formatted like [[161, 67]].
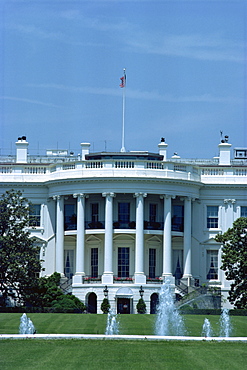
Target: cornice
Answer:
[[123, 180]]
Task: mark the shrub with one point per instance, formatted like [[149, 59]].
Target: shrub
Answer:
[[141, 306], [105, 306]]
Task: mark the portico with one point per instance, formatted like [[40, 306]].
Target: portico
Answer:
[[138, 229]]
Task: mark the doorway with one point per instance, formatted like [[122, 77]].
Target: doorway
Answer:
[[92, 303], [154, 302], [123, 306]]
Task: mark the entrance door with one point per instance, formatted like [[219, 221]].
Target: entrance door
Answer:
[[92, 303], [123, 305], [153, 303]]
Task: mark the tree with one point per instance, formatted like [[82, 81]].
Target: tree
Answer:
[[234, 261], [141, 306], [18, 255], [105, 305], [47, 293]]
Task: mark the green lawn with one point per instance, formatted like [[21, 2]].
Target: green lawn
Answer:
[[96, 324], [117, 354]]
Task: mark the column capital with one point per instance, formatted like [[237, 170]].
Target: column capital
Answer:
[[111, 194], [56, 197], [167, 196], [136, 195], [80, 195], [188, 198], [229, 201]]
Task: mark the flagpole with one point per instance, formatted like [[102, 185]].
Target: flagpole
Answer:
[[123, 123]]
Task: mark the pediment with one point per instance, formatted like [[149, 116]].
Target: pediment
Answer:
[[93, 238], [38, 239], [209, 241], [153, 238]]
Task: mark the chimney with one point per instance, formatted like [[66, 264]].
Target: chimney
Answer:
[[84, 150], [225, 152], [21, 150], [162, 148]]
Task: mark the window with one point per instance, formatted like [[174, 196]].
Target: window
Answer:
[[178, 264], [34, 214], [177, 218], [212, 217], [94, 262], [152, 262], [69, 263], [243, 211], [70, 219], [95, 212], [124, 213], [212, 265], [152, 212], [123, 262]]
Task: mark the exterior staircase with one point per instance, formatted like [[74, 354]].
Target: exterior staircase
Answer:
[[66, 285], [198, 297]]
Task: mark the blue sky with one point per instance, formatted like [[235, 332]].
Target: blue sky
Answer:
[[61, 63]]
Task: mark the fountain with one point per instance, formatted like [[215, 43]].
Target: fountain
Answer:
[[225, 323], [206, 329], [112, 326], [26, 325], [168, 320]]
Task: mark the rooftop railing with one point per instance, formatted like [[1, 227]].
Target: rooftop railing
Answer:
[[125, 168]]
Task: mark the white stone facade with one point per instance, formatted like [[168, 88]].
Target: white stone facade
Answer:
[[122, 221]]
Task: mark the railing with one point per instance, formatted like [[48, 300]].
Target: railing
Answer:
[[181, 286], [72, 225], [6, 169], [34, 170], [119, 279], [240, 172], [124, 225], [155, 165], [155, 280], [94, 164], [95, 225], [124, 164], [66, 286], [180, 167], [149, 225], [69, 166], [213, 171], [87, 279], [132, 168]]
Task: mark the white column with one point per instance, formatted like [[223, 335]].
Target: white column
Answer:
[[60, 234], [167, 238], [140, 278], [187, 239], [107, 277], [80, 239], [229, 213]]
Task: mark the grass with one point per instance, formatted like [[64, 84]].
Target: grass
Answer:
[[109, 354], [46, 323], [117, 354]]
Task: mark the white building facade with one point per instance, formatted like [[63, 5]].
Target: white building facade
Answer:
[[118, 224]]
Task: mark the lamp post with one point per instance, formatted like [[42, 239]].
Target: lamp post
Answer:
[[105, 292], [141, 291]]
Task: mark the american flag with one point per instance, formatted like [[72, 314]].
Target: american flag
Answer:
[[123, 80]]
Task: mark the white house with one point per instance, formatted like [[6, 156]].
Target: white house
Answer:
[[117, 224]]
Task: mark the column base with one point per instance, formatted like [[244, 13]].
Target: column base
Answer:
[[78, 278], [140, 279], [107, 278], [187, 280], [168, 277]]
